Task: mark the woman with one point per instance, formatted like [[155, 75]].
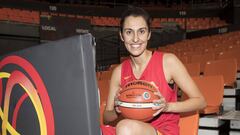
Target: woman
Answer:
[[159, 68]]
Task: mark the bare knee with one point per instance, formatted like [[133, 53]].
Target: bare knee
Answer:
[[127, 127]]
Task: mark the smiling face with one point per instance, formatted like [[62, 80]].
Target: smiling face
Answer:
[[135, 34]]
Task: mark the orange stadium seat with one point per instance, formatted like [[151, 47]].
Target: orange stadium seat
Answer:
[[103, 89], [106, 75], [98, 73], [3, 14], [188, 123], [225, 67], [102, 108], [183, 59], [232, 54], [14, 15], [202, 59], [35, 17], [193, 68], [94, 20], [103, 86], [211, 86], [26, 16]]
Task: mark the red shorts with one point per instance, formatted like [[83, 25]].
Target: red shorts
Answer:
[[109, 130]]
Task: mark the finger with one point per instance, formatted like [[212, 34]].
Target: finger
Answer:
[[157, 102], [158, 112], [153, 83], [120, 89], [116, 102], [158, 107], [162, 107], [160, 101], [117, 93], [117, 110], [158, 94], [116, 98]]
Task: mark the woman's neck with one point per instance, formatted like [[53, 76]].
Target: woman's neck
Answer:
[[141, 61]]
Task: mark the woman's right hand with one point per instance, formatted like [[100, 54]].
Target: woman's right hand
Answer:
[[116, 101]]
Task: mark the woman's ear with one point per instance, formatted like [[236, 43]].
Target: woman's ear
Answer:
[[120, 34], [149, 35]]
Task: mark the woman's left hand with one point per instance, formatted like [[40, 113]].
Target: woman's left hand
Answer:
[[161, 104]]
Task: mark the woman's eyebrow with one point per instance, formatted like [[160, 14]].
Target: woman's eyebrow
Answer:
[[143, 28], [133, 29], [127, 29]]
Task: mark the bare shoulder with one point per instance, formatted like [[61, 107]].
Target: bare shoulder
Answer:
[[171, 65], [116, 74], [170, 59], [117, 69]]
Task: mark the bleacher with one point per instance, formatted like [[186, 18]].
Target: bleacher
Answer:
[[19, 16], [209, 60], [33, 17]]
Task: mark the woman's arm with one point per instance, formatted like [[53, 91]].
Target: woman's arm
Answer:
[[110, 114], [175, 70]]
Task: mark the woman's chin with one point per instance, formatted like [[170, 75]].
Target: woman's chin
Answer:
[[136, 53]]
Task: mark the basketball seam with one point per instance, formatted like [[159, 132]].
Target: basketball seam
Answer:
[[136, 88]]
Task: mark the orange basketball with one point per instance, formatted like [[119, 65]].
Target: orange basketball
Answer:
[[136, 100]]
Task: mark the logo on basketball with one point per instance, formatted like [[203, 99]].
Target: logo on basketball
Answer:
[[146, 95]]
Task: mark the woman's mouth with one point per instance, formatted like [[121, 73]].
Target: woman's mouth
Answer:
[[135, 45]]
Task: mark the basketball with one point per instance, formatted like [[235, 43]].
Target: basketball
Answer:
[[136, 100]]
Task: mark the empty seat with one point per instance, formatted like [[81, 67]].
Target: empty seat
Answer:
[[3, 14], [98, 75], [193, 68], [105, 75], [212, 88], [103, 86], [202, 59], [225, 67], [233, 54], [188, 123], [102, 108], [183, 59]]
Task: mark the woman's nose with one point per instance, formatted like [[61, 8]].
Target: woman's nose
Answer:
[[135, 37]]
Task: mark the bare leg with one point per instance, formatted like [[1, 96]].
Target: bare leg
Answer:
[[134, 127]]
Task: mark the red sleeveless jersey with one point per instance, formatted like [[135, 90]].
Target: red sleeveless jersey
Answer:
[[166, 123]]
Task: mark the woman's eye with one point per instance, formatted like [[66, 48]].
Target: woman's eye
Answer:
[[128, 32], [142, 31]]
